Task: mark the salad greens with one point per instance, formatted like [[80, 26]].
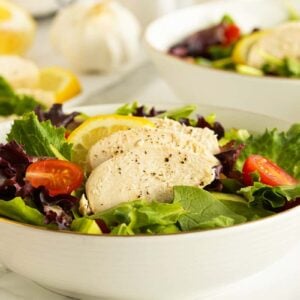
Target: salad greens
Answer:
[[283, 148], [135, 109], [286, 67], [40, 138], [139, 216], [17, 210], [12, 103], [128, 109], [203, 210], [233, 134], [225, 202], [223, 46], [177, 114], [261, 195]]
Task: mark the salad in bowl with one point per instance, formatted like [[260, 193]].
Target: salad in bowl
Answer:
[[144, 171], [261, 52]]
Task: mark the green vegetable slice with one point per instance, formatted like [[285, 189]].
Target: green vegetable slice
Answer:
[[85, 225]]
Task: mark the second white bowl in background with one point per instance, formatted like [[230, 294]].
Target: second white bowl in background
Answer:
[[279, 97]]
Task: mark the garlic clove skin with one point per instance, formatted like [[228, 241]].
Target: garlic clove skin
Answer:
[[96, 36]]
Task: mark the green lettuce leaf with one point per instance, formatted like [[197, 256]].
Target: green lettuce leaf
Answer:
[[227, 19], [178, 113], [240, 135], [140, 215], [40, 138], [12, 103], [280, 147], [127, 109], [85, 225], [162, 229], [241, 206], [17, 210], [203, 210], [231, 185], [220, 52], [264, 196], [122, 229], [175, 114]]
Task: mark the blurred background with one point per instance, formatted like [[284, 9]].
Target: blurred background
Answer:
[[48, 36], [146, 10]]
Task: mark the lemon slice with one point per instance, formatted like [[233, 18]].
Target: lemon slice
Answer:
[[17, 29], [99, 127], [243, 46], [63, 83]]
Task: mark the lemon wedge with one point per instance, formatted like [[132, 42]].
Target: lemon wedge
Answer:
[[99, 127], [62, 83], [243, 46], [17, 29]]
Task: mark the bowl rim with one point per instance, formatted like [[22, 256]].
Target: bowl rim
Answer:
[[214, 231], [185, 10]]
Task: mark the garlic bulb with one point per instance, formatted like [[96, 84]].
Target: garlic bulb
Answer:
[[96, 35]]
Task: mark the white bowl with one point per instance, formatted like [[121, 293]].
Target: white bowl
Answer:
[[192, 83], [180, 266]]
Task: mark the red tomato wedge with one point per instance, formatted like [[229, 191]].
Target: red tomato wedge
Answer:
[[269, 172], [232, 33], [57, 176]]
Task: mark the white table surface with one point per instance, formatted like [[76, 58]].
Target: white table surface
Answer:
[[139, 81]]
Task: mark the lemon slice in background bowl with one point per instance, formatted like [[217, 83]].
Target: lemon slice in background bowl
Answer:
[[243, 46], [99, 127], [17, 29], [62, 83]]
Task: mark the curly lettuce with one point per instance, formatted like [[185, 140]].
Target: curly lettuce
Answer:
[[280, 147], [40, 138]]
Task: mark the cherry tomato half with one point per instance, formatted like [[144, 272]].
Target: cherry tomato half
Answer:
[[232, 33], [269, 172], [57, 176]]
